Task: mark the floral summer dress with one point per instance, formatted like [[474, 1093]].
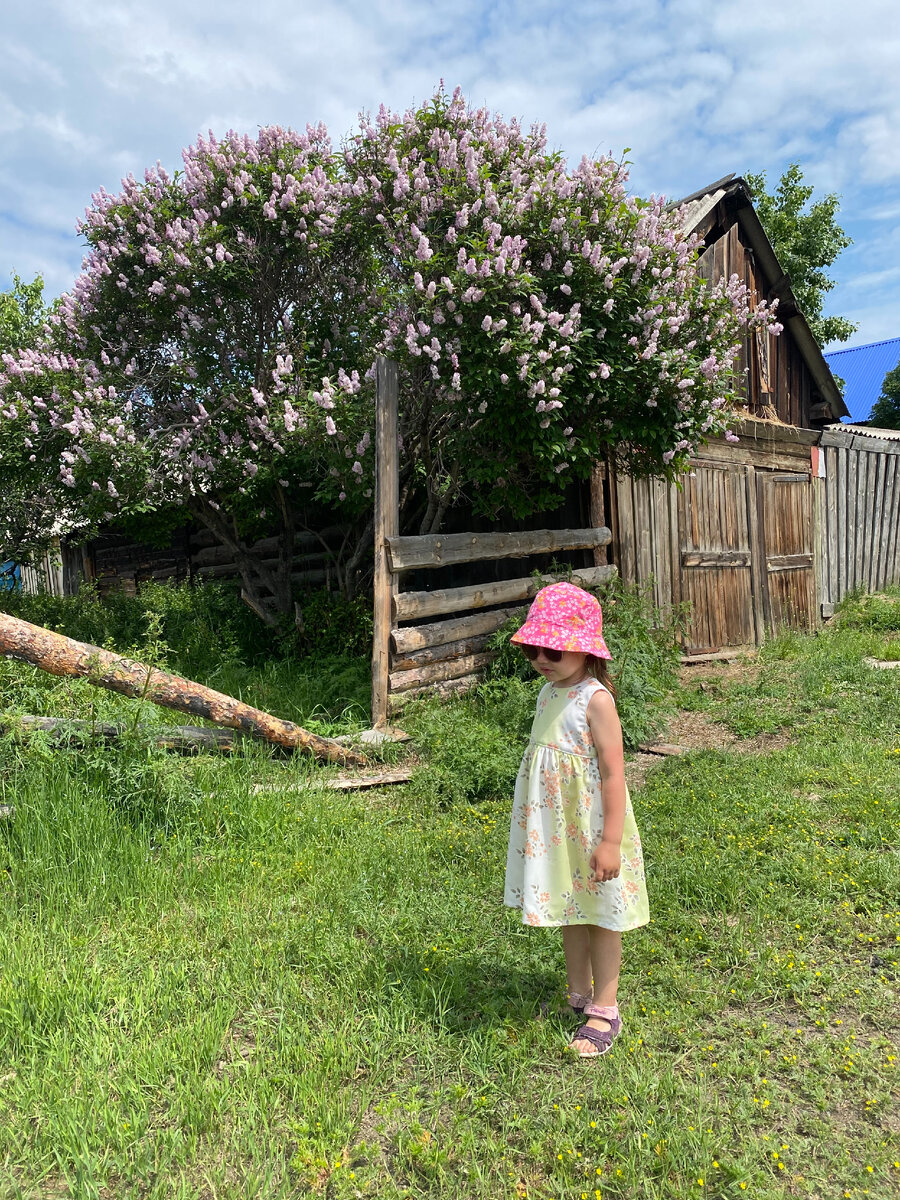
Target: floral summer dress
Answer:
[[557, 819]]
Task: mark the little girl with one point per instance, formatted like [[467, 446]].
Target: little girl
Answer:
[[574, 852]]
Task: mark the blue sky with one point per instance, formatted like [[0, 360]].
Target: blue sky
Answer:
[[696, 89]]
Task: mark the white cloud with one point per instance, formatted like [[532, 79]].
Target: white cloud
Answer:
[[696, 88]]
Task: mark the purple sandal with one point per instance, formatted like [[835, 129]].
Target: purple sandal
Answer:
[[577, 1003], [600, 1039]]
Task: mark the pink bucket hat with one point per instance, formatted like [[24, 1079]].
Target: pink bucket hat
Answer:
[[564, 617]]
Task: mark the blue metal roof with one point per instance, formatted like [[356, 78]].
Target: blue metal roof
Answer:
[[863, 369]]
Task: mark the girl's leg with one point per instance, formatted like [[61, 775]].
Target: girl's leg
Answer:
[[577, 949], [606, 962]]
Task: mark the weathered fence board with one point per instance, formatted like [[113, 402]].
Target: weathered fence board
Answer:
[[411, 605], [860, 514], [442, 550], [417, 637]]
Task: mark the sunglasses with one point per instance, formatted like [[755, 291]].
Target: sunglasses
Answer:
[[531, 653]]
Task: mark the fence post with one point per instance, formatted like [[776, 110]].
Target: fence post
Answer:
[[387, 524]]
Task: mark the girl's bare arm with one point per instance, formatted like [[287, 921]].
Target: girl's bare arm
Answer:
[[606, 731]]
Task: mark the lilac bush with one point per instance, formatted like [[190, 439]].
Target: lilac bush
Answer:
[[218, 349]]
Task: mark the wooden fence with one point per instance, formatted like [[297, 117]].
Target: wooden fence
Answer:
[[860, 521], [47, 575], [443, 656]]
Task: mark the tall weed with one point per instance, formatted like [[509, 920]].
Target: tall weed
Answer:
[[878, 612]]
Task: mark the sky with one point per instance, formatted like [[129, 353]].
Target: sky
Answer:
[[695, 89]]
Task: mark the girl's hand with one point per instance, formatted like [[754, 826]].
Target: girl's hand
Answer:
[[606, 861]]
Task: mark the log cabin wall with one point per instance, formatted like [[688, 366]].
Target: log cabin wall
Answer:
[[116, 564], [860, 542], [778, 383]]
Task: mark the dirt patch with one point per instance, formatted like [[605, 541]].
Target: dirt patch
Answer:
[[746, 670], [697, 731], [637, 767]]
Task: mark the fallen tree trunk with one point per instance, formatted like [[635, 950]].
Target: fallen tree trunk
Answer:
[[187, 739], [59, 655]]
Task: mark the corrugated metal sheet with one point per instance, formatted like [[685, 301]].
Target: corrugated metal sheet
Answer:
[[863, 369], [871, 431], [696, 210]]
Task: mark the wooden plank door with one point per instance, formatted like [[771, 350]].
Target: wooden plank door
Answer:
[[785, 502], [716, 561]]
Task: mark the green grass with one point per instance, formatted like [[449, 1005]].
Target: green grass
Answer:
[[208, 990]]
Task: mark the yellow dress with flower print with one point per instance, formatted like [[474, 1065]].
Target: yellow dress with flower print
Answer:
[[557, 819]]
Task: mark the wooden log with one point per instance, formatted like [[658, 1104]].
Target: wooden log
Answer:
[[402, 681], [440, 691], [305, 545], [344, 783], [447, 549], [436, 654], [386, 526], [227, 571], [64, 656], [690, 660], [418, 637], [666, 749], [410, 605], [187, 739]]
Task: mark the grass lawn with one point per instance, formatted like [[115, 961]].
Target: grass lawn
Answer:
[[212, 991]]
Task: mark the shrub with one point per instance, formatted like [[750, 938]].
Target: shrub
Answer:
[[474, 744]]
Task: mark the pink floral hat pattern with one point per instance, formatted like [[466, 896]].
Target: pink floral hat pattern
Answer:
[[564, 617]]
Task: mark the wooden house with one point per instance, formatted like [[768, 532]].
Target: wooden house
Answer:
[[737, 539]]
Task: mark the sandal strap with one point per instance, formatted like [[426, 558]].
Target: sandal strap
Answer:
[[606, 1012], [601, 1039]]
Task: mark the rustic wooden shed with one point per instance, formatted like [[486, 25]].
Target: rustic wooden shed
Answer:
[[738, 538]]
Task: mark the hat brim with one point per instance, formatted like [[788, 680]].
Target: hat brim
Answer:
[[558, 637]]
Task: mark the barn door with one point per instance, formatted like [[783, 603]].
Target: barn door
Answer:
[[715, 557], [785, 502]]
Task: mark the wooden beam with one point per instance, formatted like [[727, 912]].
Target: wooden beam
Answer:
[[418, 637], [598, 510], [447, 549], [409, 606], [715, 558], [64, 656], [440, 672], [788, 562], [387, 526], [440, 691], [435, 654], [344, 783]]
